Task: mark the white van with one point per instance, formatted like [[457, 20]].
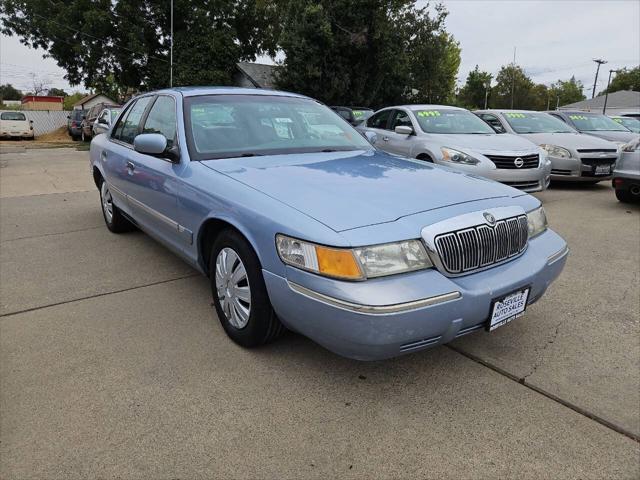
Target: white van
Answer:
[[15, 125]]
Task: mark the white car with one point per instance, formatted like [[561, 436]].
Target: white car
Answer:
[[455, 137], [15, 125]]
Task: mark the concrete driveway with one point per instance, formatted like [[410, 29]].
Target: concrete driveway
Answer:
[[113, 364]]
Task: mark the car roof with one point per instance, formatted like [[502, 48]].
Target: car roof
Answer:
[[428, 106], [506, 110], [203, 90]]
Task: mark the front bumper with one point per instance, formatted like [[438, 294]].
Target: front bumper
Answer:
[[578, 169], [390, 316]]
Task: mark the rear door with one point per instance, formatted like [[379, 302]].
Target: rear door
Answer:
[[398, 143], [379, 124]]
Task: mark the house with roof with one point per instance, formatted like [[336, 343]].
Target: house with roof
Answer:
[[618, 103], [42, 102], [89, 101]]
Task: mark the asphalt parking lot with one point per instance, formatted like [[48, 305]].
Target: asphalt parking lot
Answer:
[[113, 365]]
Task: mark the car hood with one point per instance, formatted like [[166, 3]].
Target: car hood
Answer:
[[489, 143], [615, 136], [569, 140], [346, 190]]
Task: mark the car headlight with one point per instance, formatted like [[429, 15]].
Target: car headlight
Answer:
[[537, 221], [556, 151], [631, 146], [455, 156], [353, 264]]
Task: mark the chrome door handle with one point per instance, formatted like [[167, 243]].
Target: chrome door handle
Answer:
[[130, 166]]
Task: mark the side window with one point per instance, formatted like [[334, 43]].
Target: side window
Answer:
[[380, 120], [104, 117], [127, 128], [162, 119], [400, 119], [493, 122]]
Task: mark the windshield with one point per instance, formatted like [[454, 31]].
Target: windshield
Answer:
[[225, 126], [451, 121], [16, 116], [362, 114], [595, 122], [632, 124], [114, 113], [533, 122]]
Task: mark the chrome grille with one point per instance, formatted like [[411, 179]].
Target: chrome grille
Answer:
[[509, 162], [480, 246]]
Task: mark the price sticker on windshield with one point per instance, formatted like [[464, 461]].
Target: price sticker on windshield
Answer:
[[577, 117], [516, 115], [358, 113], [429, 113]]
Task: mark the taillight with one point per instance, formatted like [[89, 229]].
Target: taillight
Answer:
[[74, 124], [617, 182]]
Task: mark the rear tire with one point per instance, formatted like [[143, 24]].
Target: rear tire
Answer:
[[239, 294], [624, 196], [113, 218]]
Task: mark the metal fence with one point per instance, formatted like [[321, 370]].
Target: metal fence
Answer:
[[45, 121]]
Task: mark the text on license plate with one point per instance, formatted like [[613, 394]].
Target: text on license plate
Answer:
[[603, 169], [508, 308]]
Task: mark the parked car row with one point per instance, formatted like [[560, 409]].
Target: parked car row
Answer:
[[86, 124], [300, 223], [523, 149]]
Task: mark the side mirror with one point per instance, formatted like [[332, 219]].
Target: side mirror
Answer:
[[150, 143], [404, 130], [371, 137], [103, 121], [68, 116]]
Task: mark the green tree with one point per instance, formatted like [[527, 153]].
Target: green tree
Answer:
[[57, 92], [566, 92], [124, 45], [70, 100], [625, 79], [8, 92], [368, 53], [513, 77], [478, 84]]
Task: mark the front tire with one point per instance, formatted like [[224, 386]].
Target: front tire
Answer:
[[239, 294], [113, 218]]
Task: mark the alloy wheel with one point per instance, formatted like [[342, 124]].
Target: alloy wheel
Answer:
[[107, 202]]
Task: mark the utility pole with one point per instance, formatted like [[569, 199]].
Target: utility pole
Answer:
[[486, 94], [513, 77], [171, 49], [606, 95], [599, 61]]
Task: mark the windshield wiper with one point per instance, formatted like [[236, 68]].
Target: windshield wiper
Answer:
[[251, 154]]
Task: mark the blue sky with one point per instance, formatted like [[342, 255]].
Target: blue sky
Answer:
[[554, 39]]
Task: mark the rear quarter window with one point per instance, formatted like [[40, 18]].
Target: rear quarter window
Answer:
[[15, 116]]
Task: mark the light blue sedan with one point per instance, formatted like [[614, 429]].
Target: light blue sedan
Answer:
[[300, 223]]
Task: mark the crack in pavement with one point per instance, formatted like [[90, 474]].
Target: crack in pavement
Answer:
[[540, 353]]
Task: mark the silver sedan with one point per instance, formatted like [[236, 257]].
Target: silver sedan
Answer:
[[574, 156], [456, 138]]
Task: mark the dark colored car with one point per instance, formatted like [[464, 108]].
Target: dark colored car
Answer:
[[90, 118], [74, 123], [354, 115]]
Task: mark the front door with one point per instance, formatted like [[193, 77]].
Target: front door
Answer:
[[400, 144]]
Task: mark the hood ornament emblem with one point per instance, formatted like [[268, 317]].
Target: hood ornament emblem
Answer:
[[518, 162], [491, 220]]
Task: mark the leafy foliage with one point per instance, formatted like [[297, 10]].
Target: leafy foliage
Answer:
[[625, 79], [368, 53], [70, 100], [57, 92], [566, 92], [478, 84], [117, 47], [8, 92]]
